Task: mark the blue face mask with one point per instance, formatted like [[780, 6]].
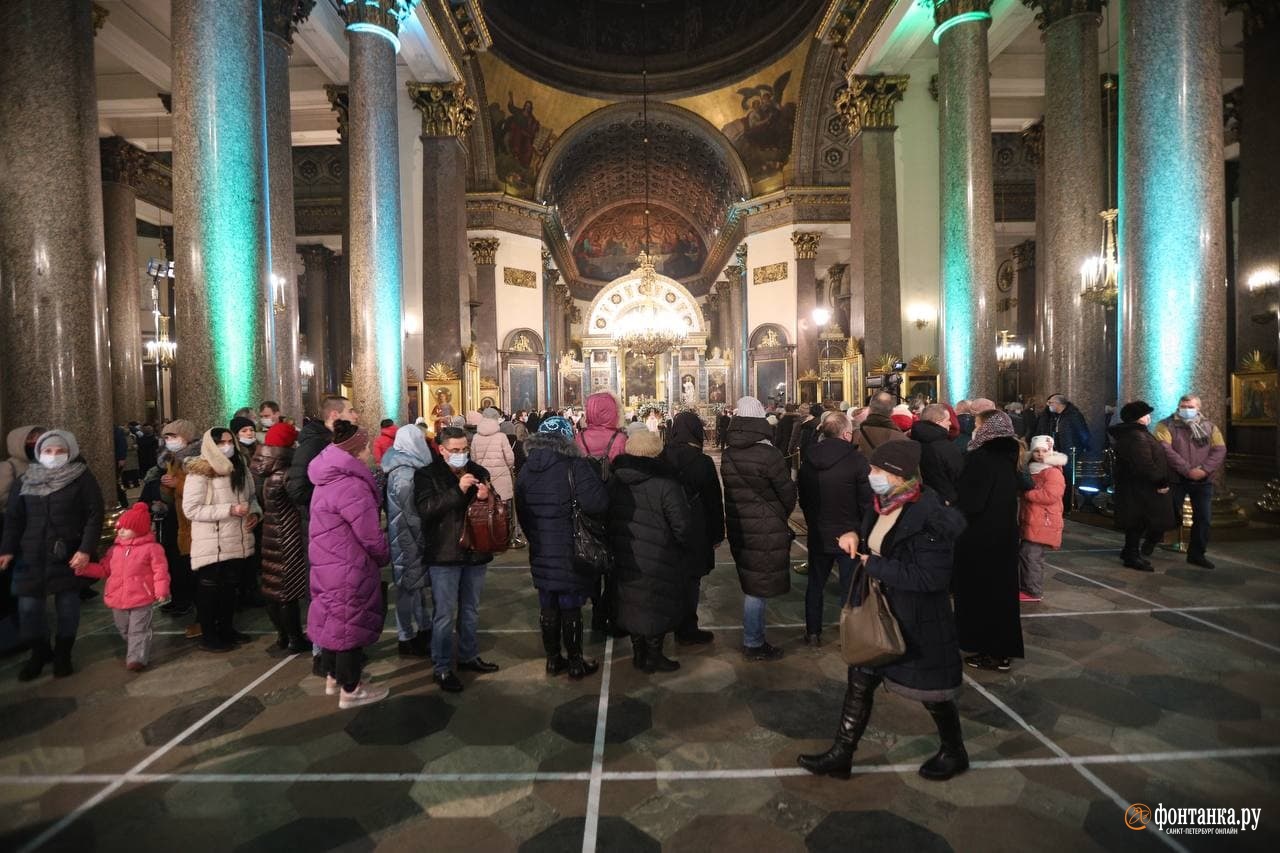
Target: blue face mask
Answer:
[[1187, 413], [458, 460], [879, 484]]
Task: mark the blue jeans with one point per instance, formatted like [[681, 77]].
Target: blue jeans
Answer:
[[34, 623], [1201, 494], [455, 592], [752, 621], [819, 570], [411, 608]]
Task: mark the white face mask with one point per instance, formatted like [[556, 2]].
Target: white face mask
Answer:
[[248, 442], [458, 460], [1187, 413], [54, 461], [173, 445], [879, 484], [228, 450], [268, 423]]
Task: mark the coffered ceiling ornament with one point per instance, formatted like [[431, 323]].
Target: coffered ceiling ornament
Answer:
[[446, 109]]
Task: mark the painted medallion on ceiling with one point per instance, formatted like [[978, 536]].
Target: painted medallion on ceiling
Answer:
[[607, 247]]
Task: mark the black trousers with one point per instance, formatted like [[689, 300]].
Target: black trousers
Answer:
[[343, 666]]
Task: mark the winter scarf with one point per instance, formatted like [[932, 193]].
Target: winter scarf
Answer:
[[999, 425], [907, 493], [1201, 431], [40, 481]]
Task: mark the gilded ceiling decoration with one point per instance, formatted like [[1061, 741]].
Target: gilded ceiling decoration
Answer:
[[596, 47]]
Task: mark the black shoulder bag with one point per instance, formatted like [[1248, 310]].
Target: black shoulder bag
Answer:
[[590, 541]]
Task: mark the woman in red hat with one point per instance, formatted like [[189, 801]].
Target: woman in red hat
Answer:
[[137, 576]]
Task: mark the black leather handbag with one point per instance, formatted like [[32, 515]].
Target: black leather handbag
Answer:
[[590, 539]]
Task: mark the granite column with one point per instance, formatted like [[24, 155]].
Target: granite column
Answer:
[[1075, 329], [743, 329], [550, 311], [1037, 355], [484, 251], [222, 265], [315, 297], [123, 166], [279, 20], [374, 262], [724, 309], [806, 246], [53, 310], [338, 358], [968, 360], [737, 335], [1172, 306]]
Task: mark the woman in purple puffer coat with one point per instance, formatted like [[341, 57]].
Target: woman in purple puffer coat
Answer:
[[347, 549]]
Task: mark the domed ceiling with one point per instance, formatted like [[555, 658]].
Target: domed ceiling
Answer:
[[597, 47]]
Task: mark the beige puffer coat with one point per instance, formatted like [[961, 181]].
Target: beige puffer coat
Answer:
[[207, 499], [490, 449]]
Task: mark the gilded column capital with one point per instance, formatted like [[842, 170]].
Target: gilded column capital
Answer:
[[713, 298], [945, 10], [562, 294], [446, 109], [740, 254], [386, 15], [723, 287], [280, 18], [1024, 255], [484, 250], [1033, 138], [315, 253], [123, 163], [1232, 115], [337, 95], [1050, 12], [867, 102], [835, 277], [1258, 15], [99, 17], [734, 272], [550, 276], [806, 244], [546, 257]]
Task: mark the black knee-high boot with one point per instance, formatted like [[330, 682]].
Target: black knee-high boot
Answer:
[[274, 613], [571, 622], [62, 656], [951, 758], [838, 760], [655, 660], [291, 615], [41, 654], [639, 651], [227, 594], [208, 611], [549, 621]]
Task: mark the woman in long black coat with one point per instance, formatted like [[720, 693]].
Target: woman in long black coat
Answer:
[[1141, 475], [51, 528], [759, 497], [697, 473], [906, 543], [986, 573], [649, 533], [543, 496]]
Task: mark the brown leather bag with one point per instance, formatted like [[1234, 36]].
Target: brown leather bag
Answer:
[[869, 634], [486, 528]]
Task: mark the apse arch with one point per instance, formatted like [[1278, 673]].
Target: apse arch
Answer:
[[622, 295]]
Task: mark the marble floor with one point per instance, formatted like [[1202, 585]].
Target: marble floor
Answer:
[[1158, 689]]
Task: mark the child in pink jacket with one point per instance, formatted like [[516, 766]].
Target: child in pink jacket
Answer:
[[1040, 516], [137, 577]]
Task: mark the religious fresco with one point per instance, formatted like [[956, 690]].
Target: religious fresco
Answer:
[[608, 246]]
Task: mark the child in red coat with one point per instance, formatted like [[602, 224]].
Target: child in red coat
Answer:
[[1040, 516], [137, 577]]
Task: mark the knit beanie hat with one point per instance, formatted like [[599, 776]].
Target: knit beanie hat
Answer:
[[1130, 412], [898, 457], [645, 443], [557, 425], [902, 421], [349, 437], [136, 518], [638, 426], [281, 435], [457, 421], [748, 407], [238, 424], [492, 414], [57, 438], [1045, 441]]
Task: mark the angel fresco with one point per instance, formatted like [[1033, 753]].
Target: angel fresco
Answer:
[[763, 135]]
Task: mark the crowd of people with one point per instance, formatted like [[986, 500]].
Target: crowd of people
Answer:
[[951, 510]]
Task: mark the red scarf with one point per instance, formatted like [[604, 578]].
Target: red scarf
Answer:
[[908, 493]]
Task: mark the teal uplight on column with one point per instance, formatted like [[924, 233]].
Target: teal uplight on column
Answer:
[[377, 340], [1172, 298], [222, 252], [968, 360]]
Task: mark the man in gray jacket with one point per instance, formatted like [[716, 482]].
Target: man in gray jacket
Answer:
[[407, 454]]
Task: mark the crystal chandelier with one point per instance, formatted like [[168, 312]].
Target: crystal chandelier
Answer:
[[1008, 352], [1099, 275], [161, 350], [649, 329]]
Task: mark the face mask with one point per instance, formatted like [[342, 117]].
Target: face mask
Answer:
[[1187, 413], [880, 484], [457, 460], [228, 450], [173, 445], [268, 423], [54, 461], [248, 442]]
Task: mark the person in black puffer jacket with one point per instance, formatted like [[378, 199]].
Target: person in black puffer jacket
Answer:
[[542, 498], [907, 543], [1142, 476], [941, 460], [649, 535], [52, 524], [697, 473], [759, 497], [835, 497]]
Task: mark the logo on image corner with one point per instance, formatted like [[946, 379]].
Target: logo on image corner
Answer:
[[1137, 816]]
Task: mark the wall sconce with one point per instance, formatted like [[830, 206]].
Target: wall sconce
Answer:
[[306, 368], [921, 316], [821, 316], [411, 324], [1261, 280], [277, 294]]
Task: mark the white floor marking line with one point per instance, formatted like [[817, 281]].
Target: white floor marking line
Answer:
[[1080, 768], [1199, 608], [74, 815], [1184, 615], [197, 778], [592, 823]]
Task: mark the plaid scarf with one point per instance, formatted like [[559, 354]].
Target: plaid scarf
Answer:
[[907, 493]]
